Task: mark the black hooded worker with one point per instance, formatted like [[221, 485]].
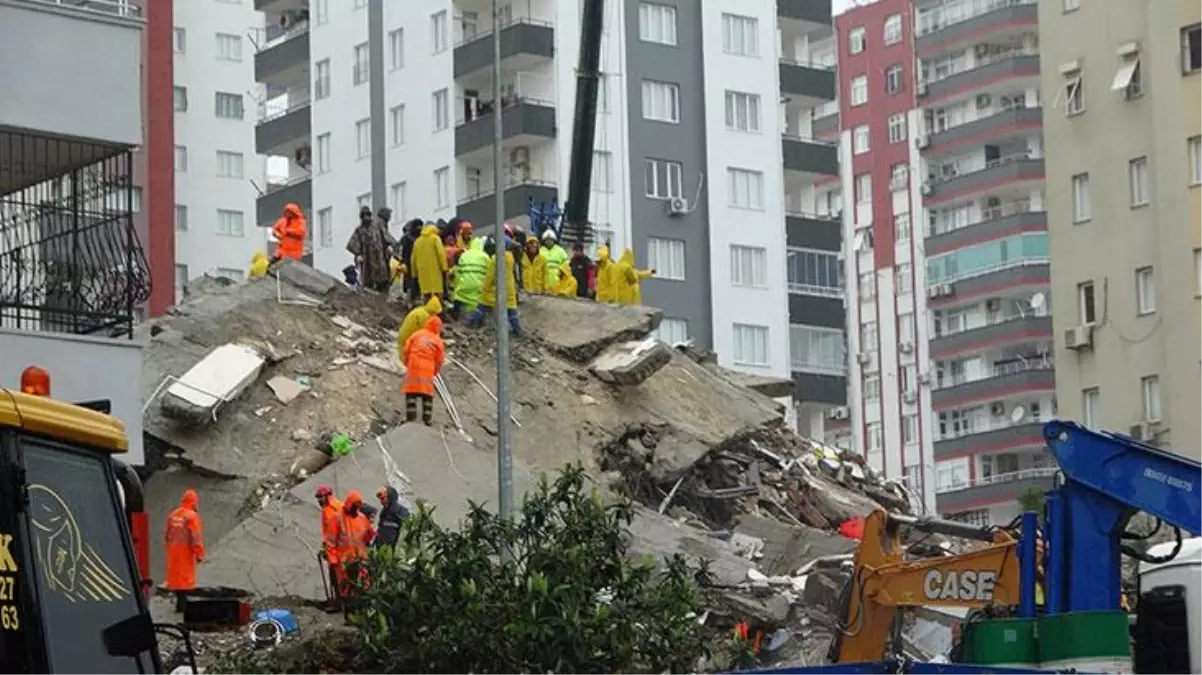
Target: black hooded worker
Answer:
[[372, 246], [392, 514], [413, 230]]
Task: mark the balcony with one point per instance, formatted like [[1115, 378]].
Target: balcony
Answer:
[[281, 132], [1033, 272], [994, 334], [480, 209], [994, 223], [826, 127], [955, 23], [822, 388], [1002, 438], [284, 59], [270, 205], [990, 174], [280, 6], [813, 231], [71, 72], [995, 489], [524, 122], [979, 74], [811, 16], [525, 43], [809, 156], [1002, 380], [1012, 122], [811, 83]]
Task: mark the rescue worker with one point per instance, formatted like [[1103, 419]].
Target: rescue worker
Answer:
[[428, 262], [372, 246], [583, 270], [555, 256], [566, 286], [290, 232], [412, 231], [628, 278], [607, 291], [331, 512], [534, 268], [469, 277], [488, 294], [423, 358], [259, 264], [392, 514], [185, 547], [354, 534], [414, 321], [464, 241]]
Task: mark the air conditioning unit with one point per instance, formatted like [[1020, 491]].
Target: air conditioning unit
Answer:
[[678, 206], [304, 156], [863, 358], [910, 397], [905, 347], [981, 51], [922, 142], [939, 291], [1144, 431], [519, 155], [983, 101], [840, 413], [922, 89], [924, 379], [1078, 337], [928, 189], [997, 409]]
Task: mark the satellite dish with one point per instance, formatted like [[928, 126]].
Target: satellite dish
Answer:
[[1037, 300], [1018, 414]]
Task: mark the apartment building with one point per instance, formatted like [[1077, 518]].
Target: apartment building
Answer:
[[1124, 166], [687, 157]]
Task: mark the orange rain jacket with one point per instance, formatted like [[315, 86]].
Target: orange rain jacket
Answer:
[[354, 532], [331, 514], [185, 543], [424, 356], [290, 231]]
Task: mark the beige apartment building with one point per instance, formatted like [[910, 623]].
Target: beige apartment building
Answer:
[[1121, 82]]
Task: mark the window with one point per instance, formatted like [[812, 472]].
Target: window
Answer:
[[864, 188], [229, 164], [229, 223], [897, 128], [363, 200], [746, 189], [1151, 389], [1081, 206], [1137, 173], [859, 90], [180, 96], [901, 227], [868, 336], [398, 196], [673, 331], [859, 140], [438, 31], [1091, 407], [396, 49], [325, 227], [1070, 5], [657, 23], [442, 187], [817, 350], [1129, 79], [321, 80], [362, 69], [363, 138], [742, 111], [442, 110], [899, 178], [1145, 291], [872, 388], [905, 333], [1194, 152], [229, 47], [1074, 96], [872, 431], [179, 40], [903, 278], [1191, 48], [855, 40], [181, 158], [953, 475], [181, 218], [664, 179], [740, 35], [893, 29], [666, 257], [748, 266], [603, 93], [228, 106], [1086, 311], [909, 429], [661, 101], [397, 116], [323, 153], [893, 79], [751, 345], [813, 272], [602, 171]]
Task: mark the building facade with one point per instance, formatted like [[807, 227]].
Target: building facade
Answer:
[[1123, 198], [688, 155]]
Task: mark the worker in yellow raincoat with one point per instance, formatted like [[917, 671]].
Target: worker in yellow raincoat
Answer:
[[607, 292], [566, 286], [428, 262], [258, 266], [628, 278], [488, 294], [534, 268], [414, 321]]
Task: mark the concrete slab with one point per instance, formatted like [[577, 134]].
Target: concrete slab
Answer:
[[580, 329], [304, 277], [788, 547], [630, 363], [221, 376]]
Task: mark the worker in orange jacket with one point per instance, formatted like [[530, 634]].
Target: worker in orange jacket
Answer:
[[331, 513], [354, 534], [185, 547], [424, 355], [290, 232]]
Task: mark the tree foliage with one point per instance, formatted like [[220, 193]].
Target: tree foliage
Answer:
[[1032, 499]]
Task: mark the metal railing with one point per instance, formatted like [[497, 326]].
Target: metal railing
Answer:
[[999, 479], [263, 43], [984, 166], [785, 135], [509, 185], [1040, 313], [505, 23], [121, 8], [992, 213], [297, 99], [990, 269], [796, 213], [959, 67], [1002, 370], [277, 185], [951, 13], [805, 63], [1002, 109], [485, 108], [988, 427]]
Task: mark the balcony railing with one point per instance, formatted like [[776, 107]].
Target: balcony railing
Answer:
[[298, 98], [806, 63], [806, 139], [122, 8], [964, 66], [481, 193], [505, 23], [986, 428], [984, 166], [809, 215], [991, 213], [1042, 312], [952, 13], [262, 43], [508, 101], [1001, 370], [1000, 109], [999, 479], [275, 185]]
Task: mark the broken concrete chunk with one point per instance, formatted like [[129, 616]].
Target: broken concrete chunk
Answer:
[[630, 363], [285, 389], [304, 277], [222, 375], [675, 453], [387, 363], [309, 463]]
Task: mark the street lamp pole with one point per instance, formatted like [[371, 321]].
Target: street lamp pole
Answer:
[[504, 445]]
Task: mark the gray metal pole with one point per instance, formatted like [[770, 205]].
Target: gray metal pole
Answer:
[[379, 127], [504, 447]]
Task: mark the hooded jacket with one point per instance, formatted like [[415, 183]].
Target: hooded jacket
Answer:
[[184, 543], [290, 231], [555, 256], [259, 264], [354, 529], [582, 270], [607, 290], [488, 294], [388, 528], [423, 358], [414, 320], [566, 285], [534, 268], [409, 236], [469, 274], [627, 278], [429, 261]]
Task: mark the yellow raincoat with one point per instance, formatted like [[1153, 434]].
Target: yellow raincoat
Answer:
[[488, 295], [566, 286], [607, 292], [429, 261], [627, 278], [414, 321], [534, 270], [258, 266]]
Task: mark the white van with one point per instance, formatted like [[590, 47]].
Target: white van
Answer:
[[1169, 613]]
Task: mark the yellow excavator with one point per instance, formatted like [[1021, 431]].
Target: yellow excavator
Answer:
[[73, 578]]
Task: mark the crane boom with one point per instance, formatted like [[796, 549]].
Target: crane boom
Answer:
[[576, 228]]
